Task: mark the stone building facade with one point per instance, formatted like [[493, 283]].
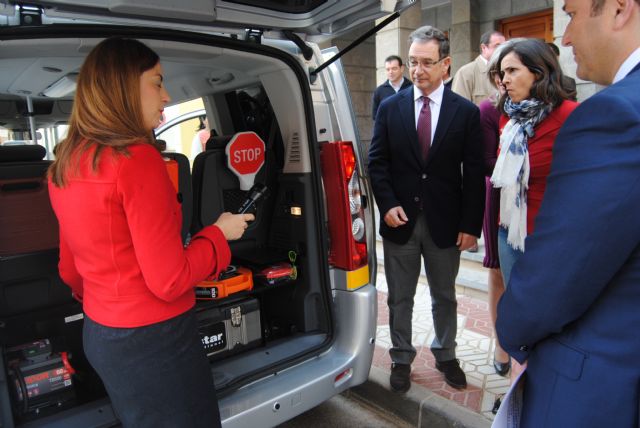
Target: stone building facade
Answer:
[[464, 21]]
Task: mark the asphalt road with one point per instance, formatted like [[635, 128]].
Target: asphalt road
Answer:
[[345, 411]]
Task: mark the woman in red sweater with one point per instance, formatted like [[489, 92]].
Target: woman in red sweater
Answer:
[[534, 107], [120, 246]]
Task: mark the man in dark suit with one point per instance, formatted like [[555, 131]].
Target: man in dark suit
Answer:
[[395, 82], [571, 309], [427, 174]]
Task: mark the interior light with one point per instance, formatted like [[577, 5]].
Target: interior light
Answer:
[[64, 86], [296, 211]]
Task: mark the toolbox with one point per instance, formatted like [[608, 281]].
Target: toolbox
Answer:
[[226, 329]]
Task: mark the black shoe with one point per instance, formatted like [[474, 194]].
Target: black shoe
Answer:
[[501, 368], [399, 379], [496, 405], [453, 374]]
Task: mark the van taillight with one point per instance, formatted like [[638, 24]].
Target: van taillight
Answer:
[[344, 205]]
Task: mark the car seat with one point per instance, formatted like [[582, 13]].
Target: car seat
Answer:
[[29, 253]]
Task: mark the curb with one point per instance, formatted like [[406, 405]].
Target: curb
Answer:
[[419, 406]]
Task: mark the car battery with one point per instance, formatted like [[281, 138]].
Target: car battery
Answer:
[[40, 378], [226, 329]]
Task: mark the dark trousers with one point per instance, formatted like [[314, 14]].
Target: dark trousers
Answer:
[[402, 270], [156, 375]]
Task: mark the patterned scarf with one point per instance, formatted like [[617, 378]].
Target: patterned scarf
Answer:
[[511, 172]]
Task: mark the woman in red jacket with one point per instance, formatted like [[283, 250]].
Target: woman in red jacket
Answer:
[[120, 245], [534, 107]]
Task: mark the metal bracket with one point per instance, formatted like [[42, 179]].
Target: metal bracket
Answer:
[[30, 15], [253, 35]]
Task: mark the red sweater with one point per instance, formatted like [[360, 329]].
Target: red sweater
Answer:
[[120, 246], [540, 150]]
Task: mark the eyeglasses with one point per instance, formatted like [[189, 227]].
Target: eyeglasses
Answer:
[[425, 63]]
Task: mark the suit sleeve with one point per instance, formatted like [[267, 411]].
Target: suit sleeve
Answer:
[[489, 122], [586, 228], [380, 162], [473, 183], [153, 215]]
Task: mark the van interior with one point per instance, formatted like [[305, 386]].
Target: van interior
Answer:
[[282, 319]]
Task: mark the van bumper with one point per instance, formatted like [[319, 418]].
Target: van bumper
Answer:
[[290, 392]]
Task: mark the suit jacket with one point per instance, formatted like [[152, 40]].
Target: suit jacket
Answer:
[[571, 307], [472, 82], [385, 91], [449, 186]]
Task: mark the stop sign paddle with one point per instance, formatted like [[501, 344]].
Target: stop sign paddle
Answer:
[[245, 157]]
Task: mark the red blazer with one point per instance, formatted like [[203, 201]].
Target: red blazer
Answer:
[[540, 150], [120, 246]]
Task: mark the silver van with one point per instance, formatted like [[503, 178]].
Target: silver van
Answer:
[[293, 340]]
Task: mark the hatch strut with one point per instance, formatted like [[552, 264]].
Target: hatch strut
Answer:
[[355, 43]]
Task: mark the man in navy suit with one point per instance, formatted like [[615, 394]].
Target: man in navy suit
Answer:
[[426, 169], [572, 307], [395, 82]]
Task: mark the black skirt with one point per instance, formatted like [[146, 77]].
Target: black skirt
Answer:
[[156, 375]]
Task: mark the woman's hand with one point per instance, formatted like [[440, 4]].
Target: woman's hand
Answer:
[[233, 225]]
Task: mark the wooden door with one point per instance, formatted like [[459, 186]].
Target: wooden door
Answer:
[[537, 25]]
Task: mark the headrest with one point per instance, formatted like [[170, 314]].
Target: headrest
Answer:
[[218, 142], [22, 153]]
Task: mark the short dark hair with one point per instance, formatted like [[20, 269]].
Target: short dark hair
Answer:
[[394, 58], [538, 58], [486, 37], [428, 33]]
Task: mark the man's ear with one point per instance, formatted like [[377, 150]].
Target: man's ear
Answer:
[[623, 12]]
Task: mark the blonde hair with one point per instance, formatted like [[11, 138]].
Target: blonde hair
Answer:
[[107, 110]]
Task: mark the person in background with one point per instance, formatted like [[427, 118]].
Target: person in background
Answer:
[[569, 83], [571, 308], [120, 246], [490, 123], [428, 181], [395, 82], [471, 80], [199, 142]]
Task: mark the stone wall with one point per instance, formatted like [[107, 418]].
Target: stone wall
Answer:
[[360, 69]]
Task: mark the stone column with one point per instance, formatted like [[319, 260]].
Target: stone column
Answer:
[[359, 68], [568, 64], [393, 39], [464, 36]]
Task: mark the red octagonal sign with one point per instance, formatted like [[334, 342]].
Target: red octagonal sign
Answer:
[[245, 157]]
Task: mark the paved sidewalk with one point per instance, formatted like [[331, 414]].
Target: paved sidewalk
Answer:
[[475, 339]]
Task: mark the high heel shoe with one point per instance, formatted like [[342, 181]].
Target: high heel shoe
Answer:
[[501, 368], [496, 404]]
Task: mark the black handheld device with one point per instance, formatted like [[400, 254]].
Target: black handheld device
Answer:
[[257, 192]]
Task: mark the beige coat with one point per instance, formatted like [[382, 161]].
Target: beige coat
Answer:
[[471, 81]]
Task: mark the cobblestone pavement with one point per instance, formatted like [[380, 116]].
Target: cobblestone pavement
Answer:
[[475, 342]]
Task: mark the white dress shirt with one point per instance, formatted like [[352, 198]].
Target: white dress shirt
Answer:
[[627, 66], [435, 104]]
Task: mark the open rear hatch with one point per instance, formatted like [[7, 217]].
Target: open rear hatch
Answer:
[[282, 320]]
